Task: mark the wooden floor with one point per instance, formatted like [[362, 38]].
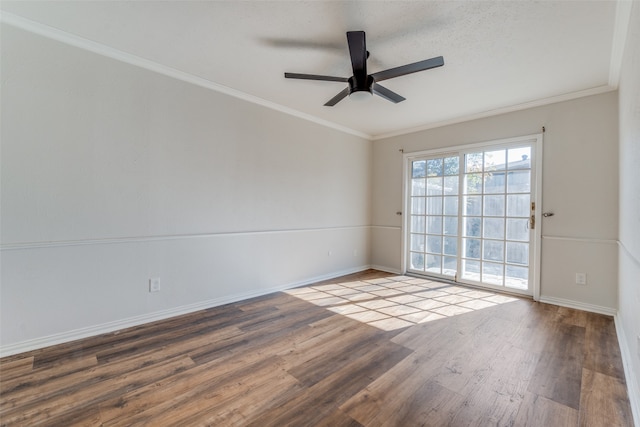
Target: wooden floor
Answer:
[[365, 350]]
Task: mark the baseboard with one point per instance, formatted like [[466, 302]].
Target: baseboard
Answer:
[[386, 269], [104, 328], [629, 374], [579, 305]]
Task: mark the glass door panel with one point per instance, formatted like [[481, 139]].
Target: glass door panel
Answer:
[[434, 216], [496, 235], [470, 216]]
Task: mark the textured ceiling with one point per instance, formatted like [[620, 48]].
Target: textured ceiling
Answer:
[[498, 54]]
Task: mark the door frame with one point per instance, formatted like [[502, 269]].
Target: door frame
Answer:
[[536, 141]]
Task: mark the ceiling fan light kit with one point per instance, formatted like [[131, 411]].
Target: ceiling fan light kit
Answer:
[[362, 85]]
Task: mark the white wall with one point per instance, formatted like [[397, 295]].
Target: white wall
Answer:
[[580, 167], [112, 174], [629, 275]]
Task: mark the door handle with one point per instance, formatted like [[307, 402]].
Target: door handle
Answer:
[[547, 214]]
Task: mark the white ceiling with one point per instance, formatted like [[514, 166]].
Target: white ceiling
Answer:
[[498, 54]]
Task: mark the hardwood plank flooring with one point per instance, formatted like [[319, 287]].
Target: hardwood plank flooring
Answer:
[[369, 349]]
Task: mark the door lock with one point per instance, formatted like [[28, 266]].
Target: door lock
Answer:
[[532, 220]]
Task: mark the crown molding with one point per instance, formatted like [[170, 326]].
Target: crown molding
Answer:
[[510, 109], [623, 13], [109, 52]]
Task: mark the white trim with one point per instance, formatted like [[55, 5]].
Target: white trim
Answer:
[[100, 49], [110, 52], [537, 254], [406, 209], [475, 145], [582, 240], [578, 305], [620, 30], [498, 111], [117, 240], [628, 253], [64, 337], [387, 227], [630, 376], [387, 269]]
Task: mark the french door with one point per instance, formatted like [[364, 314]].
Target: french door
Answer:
[[472, 214]]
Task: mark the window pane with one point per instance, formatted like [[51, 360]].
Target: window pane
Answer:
[[493, 228], [517, 229], [417, 261], [472, 205], [449, 266], [434, 167], [518, 253], [417, 242], [451, 185], [493, 251], [451, 205], [520, 158], [519, 182], [518, 205], [473, 183], [418, 187], [473, 162], [418, 205], [434, 244], [494, 182], [492, 273], [471, 227], [434, 225], [471, 248], [417, 224], [471, 270], [494, 205], [450, 246], [451, 165], [517, 277], [494, 160], [434, 205], [451, 225], [419, 169], [433, 263], [434, 186]]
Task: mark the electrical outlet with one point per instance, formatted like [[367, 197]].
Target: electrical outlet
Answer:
[[329, 253], [638, 346], [154, 284], [355, 252], [581, 278]]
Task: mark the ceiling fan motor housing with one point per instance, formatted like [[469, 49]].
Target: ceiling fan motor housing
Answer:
[[361, 86]]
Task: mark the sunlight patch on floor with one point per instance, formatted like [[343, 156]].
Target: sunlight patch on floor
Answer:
[[397, 302]]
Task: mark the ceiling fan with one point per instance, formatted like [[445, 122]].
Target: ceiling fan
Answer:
[[363, 83]]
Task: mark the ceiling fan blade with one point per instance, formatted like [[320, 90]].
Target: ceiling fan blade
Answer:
[[315, 77], [339, 97], [358, 52], [387, 94], [408, 69]]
